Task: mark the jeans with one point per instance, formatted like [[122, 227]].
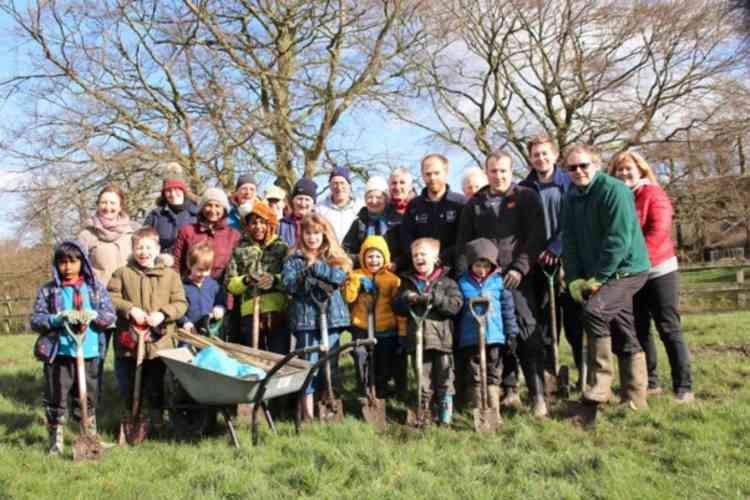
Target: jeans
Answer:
[[659, 300], [309, 338]]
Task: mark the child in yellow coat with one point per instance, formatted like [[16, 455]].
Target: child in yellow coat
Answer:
[[374, 279]]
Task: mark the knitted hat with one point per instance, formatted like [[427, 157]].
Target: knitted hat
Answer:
[[377, 183], [244, 179], [481, 248], [217, 195], [341, 172], [306, 187], [275, 193], [173, 182]]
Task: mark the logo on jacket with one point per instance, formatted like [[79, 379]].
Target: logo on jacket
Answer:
[[421, 218], [450, 215]]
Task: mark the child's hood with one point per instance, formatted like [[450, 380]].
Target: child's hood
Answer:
[[481, 248], [378, 243], [86, 269]]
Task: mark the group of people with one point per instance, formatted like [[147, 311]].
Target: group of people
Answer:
[[422, 257]]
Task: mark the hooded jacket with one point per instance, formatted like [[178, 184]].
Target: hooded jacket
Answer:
[[223, 240], [386, 285], [446, 302], [167, 222], [501, 317], [366, 224], [341, 218], [158, 288], [51, 300], [601, 233]]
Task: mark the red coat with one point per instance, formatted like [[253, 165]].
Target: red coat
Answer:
[[655, 215], [222, 237]]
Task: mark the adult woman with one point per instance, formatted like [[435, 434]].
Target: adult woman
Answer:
[[659, 298], [174, 209], [211, 225]]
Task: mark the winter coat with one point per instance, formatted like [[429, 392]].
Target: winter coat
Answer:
[[223, 240], [439, 324], [431, 219], [601, 234], [654, 210], [501, 318], [551, 204], [288, 231], [51, 300], [106, 256], [201, 300], [303, 313], [155, 289], [514, 222], [341, 218], [386, 285], [167, 222], [251, 256], [365, 225]]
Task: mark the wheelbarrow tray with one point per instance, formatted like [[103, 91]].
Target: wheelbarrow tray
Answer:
[[211, 388]]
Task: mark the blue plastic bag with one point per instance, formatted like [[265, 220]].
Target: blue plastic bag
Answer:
[[214, 359]]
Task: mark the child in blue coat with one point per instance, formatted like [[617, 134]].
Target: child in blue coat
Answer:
[[501, 329], [205, 296], [72, 294], [317, 265]]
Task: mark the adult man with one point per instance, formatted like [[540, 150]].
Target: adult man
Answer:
[[606, 263], [551, 183], [340, 208], [512, 217], [435, 212], [244, 192], [473, 180]]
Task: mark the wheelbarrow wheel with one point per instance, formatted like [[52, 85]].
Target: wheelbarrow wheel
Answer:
[[190, 423]]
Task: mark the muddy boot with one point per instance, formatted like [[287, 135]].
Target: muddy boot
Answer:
[[55, 442], [91, 430], [600, 370], [446, 411], [684, 396], [635, 379], [539, 407], [550, 385], [510, 400]]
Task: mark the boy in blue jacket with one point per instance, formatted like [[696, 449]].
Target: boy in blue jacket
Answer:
[[205, 296], [483, 278], [72, 295]]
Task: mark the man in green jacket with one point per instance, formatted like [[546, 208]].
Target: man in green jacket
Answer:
[[606, 263]]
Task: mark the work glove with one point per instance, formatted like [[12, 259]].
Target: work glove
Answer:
[[367, 285], [138, 315], [576, 289], [593, 285], [265, 281], [155, 319], [414, 298], [322, 285], [217, 313]]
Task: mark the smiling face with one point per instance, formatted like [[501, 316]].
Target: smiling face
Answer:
[[245, 192], [258, 227], [472, 184], [174, 196], [627, 171], [375, 201], [69, 268], [543, 157], [108, 207], [499, 174], [198, 273], [301, 205], [145, 251], [212, 211], [434, 175], [424, 258], [581, 168], [374, 260], [312, 239], [340, 190], [399, 186]]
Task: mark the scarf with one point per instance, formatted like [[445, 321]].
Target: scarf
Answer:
[[176, 208], [430, 278], [77, 297], [108, 230], [376, 225]]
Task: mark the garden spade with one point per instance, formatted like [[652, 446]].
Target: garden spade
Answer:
[[86, 446], [486, 419], [421, 417], [134, 429], [373, 410], [562, 373], [330, 409]]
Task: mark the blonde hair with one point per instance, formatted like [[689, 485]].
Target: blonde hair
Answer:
[[431, 243], [538, 140], [643, 167], [583, 148], [330, 251], [145, 233], [201, 255]]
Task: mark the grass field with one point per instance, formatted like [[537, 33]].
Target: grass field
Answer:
[[697, 451]]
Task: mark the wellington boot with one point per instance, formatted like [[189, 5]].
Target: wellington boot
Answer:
[[494, 398], [446, 411], [55, 442], [539, 407], [636, 380], [92, 430], [600, 368]]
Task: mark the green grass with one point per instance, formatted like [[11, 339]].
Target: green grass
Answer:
[[698, 451], [710, 278]]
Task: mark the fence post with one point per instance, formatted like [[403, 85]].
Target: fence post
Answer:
[[740, 276]]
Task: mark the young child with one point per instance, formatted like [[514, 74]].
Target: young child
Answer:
[[374, 279], [205, 297], [317, 264], [501, 329], [73, 289], [145, 292], [429, 284], [255, 270]]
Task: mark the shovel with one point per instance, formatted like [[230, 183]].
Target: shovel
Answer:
[[330, 409], [419, 418], [561, 372], [486, 419], [245, 411], [86, 446], [373, 410], [134, 429]]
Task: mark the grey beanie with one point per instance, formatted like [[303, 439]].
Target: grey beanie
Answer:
[[217, 195]]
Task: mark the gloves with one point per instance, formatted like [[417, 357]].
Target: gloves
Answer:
[[138, 315], [155, 319], [217, 312], [414, 298], [367, 285], [75, 317], [265, 281], [576, 288], [593, 285], [400, 345], [323, 286]]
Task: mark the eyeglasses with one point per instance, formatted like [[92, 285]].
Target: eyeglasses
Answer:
[[576, 166], [273, 201]]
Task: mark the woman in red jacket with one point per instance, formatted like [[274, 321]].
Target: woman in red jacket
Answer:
[[212, 225], [659, 297]]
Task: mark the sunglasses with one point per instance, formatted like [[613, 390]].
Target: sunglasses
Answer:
[[576, 166]]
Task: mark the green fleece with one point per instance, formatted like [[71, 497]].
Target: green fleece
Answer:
[[601, 233]]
